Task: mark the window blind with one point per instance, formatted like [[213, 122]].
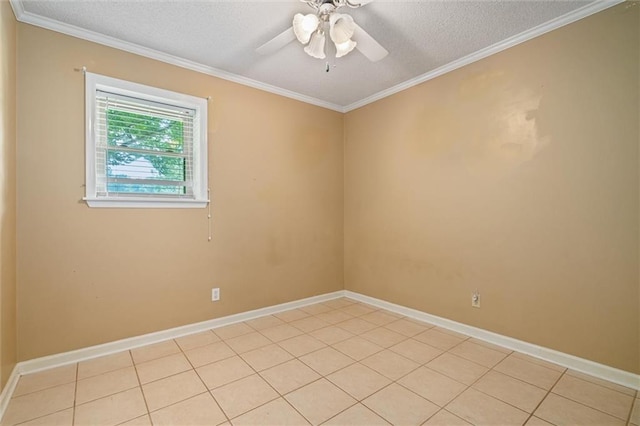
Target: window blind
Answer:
[[143, 148]]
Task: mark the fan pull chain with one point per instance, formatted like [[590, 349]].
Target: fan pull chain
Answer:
[[328, 66]]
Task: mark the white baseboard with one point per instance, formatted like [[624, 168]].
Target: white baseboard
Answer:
[[605, 372], [582, 365], [58, 360], [84, 354], [9, 388]]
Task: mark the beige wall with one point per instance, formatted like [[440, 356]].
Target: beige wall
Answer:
[[8, 26], [88, 276], [516, 175]]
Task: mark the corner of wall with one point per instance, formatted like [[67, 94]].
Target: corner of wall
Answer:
[[8, 47], [344, 197]]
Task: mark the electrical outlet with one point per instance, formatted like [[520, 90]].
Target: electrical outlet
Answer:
[[475, 299], [215, 294]]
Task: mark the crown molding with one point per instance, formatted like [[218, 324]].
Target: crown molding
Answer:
[[534, 32], [81, 33], [18, 8], [51, 24]]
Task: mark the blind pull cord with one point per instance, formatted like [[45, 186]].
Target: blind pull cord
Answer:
[[209, 211], [209, 197]]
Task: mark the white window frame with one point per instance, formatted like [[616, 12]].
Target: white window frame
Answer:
[[95, 82]]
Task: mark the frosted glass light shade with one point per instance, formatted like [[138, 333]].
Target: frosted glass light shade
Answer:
[[341, 27], [304, 26], [316, 45], [344, 48]]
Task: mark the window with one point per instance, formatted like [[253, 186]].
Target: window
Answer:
[[145, 147]]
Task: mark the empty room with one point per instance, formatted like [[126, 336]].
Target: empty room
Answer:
[[320, 212]]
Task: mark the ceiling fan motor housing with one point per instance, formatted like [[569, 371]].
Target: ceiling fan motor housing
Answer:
[[329, 6]]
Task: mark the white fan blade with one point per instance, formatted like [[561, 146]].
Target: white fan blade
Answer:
[[277, 43], [368, 46]]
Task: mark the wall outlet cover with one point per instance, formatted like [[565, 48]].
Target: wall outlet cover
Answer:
[[475, 299]]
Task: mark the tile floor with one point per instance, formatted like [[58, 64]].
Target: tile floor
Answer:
[[333, 363]]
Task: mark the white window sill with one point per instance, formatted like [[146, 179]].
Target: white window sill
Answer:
[[145, 203]]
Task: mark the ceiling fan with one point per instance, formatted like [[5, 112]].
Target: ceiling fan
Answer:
[[311, 30]]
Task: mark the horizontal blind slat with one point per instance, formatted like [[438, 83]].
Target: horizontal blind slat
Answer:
[[148, 152], [146, 165], [148, 105], [160, 182]]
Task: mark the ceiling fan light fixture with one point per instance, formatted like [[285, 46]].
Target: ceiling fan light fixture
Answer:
[[313, 29], [344, 48], [304, 26], [316, 45], [341, 27]]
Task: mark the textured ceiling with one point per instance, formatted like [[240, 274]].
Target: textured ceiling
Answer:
[[421, 36]]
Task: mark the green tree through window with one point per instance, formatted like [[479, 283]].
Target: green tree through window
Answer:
[[145, 147]]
